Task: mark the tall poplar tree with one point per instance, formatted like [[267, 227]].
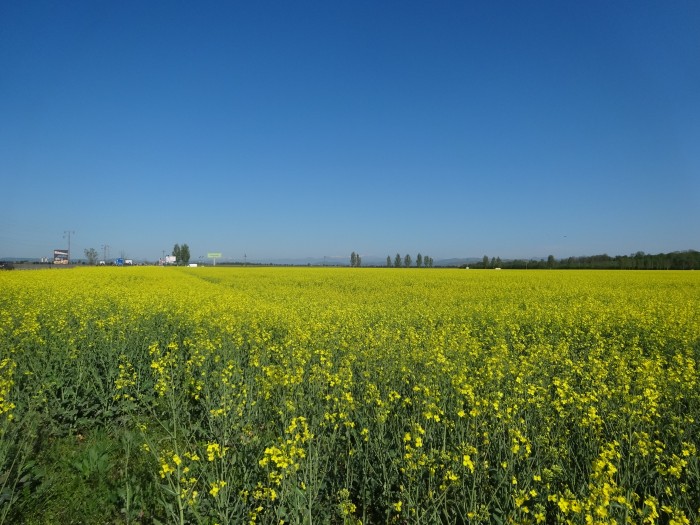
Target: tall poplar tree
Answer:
[[185, 253]]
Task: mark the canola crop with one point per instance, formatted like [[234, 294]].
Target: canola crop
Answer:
[[331, 395]]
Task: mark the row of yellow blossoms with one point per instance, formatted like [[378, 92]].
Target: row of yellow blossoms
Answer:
[[271, 395]]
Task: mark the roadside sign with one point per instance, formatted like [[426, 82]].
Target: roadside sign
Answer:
[[60, 256]]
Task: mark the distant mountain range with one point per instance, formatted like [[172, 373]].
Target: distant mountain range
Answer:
[[304, 261], [457, 261], [366, 261], [678, 260]]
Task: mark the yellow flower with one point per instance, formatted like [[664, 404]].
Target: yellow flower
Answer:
[[563, 505], [214, 451], [165, 468], [467, 462], [216, 487]]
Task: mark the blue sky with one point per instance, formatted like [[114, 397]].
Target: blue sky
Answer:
[[311, 129]]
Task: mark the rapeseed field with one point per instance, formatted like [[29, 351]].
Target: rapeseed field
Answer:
[[346, 396]]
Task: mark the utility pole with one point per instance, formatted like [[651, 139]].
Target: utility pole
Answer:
[[68, 233], [105, 252]]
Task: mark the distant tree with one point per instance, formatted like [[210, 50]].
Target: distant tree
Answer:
[[407, 261], [91, 255], [419, 260], [550, 262], [429, 261], [353, 259], [498, 262], [485, 261], [397, 261], [177, 253], [185, 253], [358, 260], [388, 261]]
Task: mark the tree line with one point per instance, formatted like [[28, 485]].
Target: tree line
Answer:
[[422, 261], [683, 260]]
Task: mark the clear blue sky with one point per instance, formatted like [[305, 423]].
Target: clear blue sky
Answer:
[[295, 129]]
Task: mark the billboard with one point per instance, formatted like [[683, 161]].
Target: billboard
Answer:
[[60, 256]]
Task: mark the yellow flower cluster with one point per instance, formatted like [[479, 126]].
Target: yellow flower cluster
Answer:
[[126, 381], [7, 370], [287, 454]]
